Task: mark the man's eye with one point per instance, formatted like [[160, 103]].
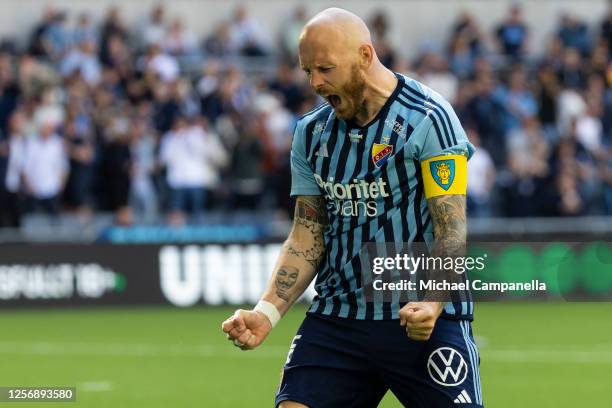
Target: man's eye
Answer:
[[325, 69]]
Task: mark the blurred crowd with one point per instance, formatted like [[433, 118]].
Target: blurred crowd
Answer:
[[106, 117]]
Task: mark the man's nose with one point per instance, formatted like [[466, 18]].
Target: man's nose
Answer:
[[316, 80]]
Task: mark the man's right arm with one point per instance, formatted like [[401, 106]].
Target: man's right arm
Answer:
[[301, 254], [297, 265]]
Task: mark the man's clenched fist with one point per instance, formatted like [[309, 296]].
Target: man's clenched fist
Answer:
[[419, 318], [247, 328]]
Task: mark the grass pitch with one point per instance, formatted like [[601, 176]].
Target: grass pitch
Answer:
[[533, 355]]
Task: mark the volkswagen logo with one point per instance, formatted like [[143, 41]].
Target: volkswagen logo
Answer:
[[447, 367]]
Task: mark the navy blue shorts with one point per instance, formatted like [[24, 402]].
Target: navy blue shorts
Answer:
[[335, 362]]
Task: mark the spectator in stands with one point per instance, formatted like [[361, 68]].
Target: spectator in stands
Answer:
[[235, 92], [285, 84], [246, 171], [524, 186], [80, 152], [379, 24], [434, 72], [84, 31], [513, 34], [571, 72], [606, 118], [50, 110], [460, 56], [34, 75], [488, 113], [219, 43], [56, 38], [275, 126], [45, 168], [113, 29], [9, 90], [553, 55], [589, 129], [527, 149], [547, 90], [154, 29], [50, 38], [481, 179], [574, 33], [247, 36], [576, 167], [569, 198], [605, 33], [12, 158], [143, 195], [208, 89], [161, 64], [117, 169], [178, 40], [118, 56], [467, 28], [83, 60], [598, 62], [290, 33], [571, 104], [165, 107], [190, 158], [518, 99]]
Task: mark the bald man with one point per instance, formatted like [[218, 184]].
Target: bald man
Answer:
[[377, 169]]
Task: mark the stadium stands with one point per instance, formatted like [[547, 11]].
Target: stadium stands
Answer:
[[95, 109]]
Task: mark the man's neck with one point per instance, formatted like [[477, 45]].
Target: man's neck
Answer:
[[379, 87]]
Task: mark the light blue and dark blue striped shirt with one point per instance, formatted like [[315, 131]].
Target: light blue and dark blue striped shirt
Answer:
[[371, 179]]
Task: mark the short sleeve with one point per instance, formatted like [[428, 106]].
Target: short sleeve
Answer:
[[443, 153], [302, 176], [445, 136]]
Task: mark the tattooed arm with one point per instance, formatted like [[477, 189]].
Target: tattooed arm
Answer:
[[296, 267], [301, 254], [450, 231], [449, 225]]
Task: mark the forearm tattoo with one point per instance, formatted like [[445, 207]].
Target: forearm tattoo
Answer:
[[311, 215], [450, 231], [449, 224], [286, 277], [307, 243]]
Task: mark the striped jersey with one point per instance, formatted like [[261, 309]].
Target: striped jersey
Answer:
[[371, 179]]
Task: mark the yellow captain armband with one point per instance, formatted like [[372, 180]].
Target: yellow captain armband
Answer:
[[444, 175]]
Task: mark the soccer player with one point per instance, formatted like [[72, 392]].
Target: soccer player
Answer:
[[384, 160]]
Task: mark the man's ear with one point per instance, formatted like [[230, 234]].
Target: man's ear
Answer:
[[366, 55]]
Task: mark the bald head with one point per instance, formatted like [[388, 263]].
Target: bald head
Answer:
[[339, 37], [343, 29], [336, 52]]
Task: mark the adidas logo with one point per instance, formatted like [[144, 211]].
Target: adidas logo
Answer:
[[463, 398], [322, 151]]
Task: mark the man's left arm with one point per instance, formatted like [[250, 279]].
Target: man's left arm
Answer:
[[449, 226], [443, 154]]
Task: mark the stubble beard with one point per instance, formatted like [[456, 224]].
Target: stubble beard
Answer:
[[355, 93]]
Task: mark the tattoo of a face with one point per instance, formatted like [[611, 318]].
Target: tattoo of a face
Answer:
[[311, 214], [286, 277]]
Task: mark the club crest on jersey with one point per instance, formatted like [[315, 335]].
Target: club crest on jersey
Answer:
[[443, 172], [380, 153]]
